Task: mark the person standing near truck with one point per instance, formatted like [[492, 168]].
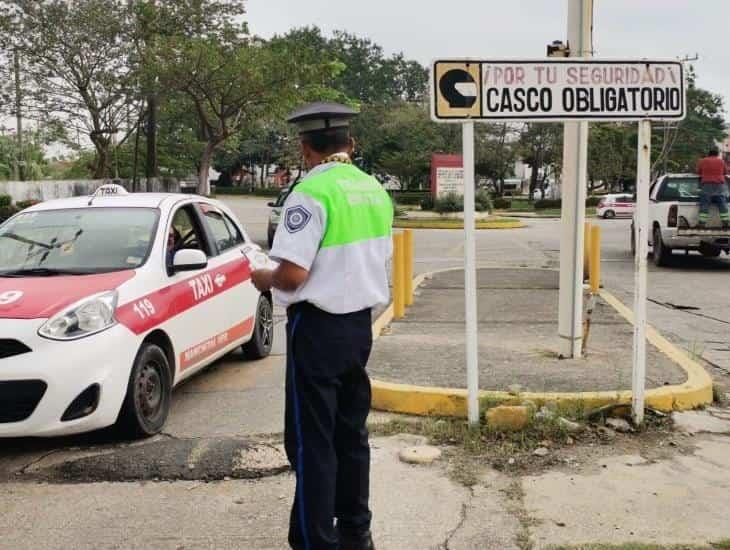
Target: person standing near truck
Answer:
[[712, 171]]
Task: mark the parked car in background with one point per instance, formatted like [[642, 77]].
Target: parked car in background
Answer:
[[108, 302], [673, 220], [275, 214], [616, 206]]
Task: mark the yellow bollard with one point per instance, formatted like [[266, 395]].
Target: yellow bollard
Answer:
[[408, 275], [595, 263], [398, 276], [587, 250]]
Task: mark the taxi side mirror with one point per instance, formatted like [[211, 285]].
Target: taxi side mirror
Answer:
[[189, 260]]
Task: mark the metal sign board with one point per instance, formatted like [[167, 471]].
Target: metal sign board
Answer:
[[555, 90]]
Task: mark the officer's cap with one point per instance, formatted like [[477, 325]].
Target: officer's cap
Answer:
[[316, 117]]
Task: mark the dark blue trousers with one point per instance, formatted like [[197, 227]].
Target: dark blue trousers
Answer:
[[327, 405]]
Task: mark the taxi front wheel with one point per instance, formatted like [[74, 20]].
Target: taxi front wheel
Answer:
[[263, 333], [147, 403]]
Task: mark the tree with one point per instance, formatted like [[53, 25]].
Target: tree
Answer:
[[80, 71], [495, 152], [611, 155], [541, 148], [234, 81], [154, 20], [399, 139]]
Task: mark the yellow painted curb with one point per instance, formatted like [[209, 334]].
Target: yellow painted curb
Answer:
[[433, 401], [457, 224]]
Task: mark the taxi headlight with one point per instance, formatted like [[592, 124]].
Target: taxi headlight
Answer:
[[84, 318]]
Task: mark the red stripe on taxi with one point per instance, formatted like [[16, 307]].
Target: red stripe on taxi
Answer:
[[214, 344], [153, 309]]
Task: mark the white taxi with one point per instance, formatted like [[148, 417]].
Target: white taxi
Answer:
[[108, 302]]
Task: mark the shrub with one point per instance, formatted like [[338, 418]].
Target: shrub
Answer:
[[7, 212], [5, 200], [501, 203], [449, 203], [548, 203], [410, 198], [427, 202], [482, 202], [593, 201], [22, 205]]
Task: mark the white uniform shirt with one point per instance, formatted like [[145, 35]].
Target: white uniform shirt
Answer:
[[342, 279]]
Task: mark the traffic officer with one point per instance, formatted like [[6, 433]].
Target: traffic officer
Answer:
[[333, 243]]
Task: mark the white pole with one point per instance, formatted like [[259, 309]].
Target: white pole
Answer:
[[575, 163], [470, 276], [641, 234]]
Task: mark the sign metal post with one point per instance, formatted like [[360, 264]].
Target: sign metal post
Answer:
[[470, 276], [641, 234]]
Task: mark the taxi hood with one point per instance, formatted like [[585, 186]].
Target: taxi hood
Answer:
[[43, 297]]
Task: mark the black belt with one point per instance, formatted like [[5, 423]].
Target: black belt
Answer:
[[308, 307]]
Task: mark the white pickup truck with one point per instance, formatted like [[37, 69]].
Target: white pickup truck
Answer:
[[674, 209]]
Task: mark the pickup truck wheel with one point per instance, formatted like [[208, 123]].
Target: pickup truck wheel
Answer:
[[609, 214], [661, 252], [709, 251]]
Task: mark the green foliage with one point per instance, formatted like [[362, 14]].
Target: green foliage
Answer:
[[593, 201], [264, 192], [449, 203], [409, 197], [399, 140], [427, 202], [7, 212], [482, 201], [22, 205], [545, 204], [5, 200], [501, 203]]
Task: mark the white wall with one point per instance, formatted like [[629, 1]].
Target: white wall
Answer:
[[60, 189]]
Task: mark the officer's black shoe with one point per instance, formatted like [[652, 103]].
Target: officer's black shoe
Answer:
[[360, 542]]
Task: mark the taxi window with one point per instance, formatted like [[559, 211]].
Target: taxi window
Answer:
[[184, 232], [220, 228], [78, 240]]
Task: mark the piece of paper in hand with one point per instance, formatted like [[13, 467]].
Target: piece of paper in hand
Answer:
[[258, 259]]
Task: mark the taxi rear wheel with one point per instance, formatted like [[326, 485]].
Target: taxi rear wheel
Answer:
[[147, 403], [263, 333]]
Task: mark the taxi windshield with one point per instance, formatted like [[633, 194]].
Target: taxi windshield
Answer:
[[76, 241]]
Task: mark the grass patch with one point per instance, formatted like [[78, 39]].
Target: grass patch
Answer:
[[496, 223], [722, 545], [478, 440]]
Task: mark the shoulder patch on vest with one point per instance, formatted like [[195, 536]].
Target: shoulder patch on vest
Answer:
[[296, 218]]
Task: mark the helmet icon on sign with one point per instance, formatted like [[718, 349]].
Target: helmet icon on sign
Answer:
[[458, 88]]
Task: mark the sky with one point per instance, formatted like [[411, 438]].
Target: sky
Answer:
[[426, 30]]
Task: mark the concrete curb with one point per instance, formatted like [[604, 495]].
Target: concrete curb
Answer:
[[434, 401], [425, 224]]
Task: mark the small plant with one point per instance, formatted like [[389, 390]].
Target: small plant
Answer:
[[427, 202], [449, 203], [501, 203], [22, 205], [5, 200], [544, 204], [482, 202]]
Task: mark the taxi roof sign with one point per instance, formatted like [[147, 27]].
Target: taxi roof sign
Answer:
[[555, 90], [109, 190]]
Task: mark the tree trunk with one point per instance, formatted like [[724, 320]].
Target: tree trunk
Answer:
[[533, 181], [205, 161], [152, 169], [19, 170], [103, 157]]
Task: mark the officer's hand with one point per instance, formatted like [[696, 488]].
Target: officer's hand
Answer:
[[262, 279]]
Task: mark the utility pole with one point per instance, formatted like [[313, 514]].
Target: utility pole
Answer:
[[575, 166], [19, 158]]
